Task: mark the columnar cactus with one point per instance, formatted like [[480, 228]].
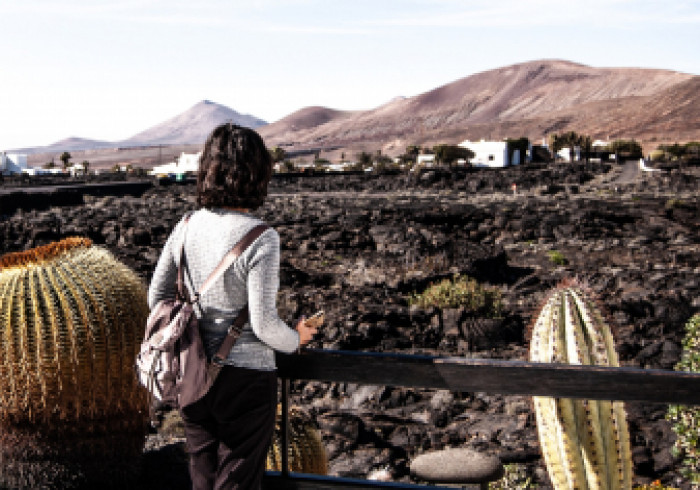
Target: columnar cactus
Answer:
[[71, 322], [585, 443], [306, 452]]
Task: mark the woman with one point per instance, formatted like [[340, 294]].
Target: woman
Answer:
[[229, 430]]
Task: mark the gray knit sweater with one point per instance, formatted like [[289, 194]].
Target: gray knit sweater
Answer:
[[253, 279]]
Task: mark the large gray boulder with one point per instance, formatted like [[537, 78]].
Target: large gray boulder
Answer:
[[457, 465]]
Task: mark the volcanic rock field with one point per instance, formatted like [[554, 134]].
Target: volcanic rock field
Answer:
[[357, 246]]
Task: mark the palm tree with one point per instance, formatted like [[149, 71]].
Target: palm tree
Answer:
[[65, 158], [278, 154], [586, 144]]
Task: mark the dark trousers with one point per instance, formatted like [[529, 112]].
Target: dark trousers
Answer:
[[229, 430]]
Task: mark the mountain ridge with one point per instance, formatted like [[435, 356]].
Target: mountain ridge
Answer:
[[193, 125], [189, 127], [532, 99], [478, 105]]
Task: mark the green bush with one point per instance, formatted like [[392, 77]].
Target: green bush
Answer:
[[461, 292], [655, 485], [675, 203], [657, 155], [557, 258], [686, 420], [515, 478]]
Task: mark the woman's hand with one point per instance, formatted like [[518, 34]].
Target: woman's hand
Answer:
[[306, 332]]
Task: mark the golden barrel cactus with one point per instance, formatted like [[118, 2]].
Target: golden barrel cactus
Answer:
[[585, 443], [71, 322], [306, 452]]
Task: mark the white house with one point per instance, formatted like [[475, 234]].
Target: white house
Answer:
[[43, 171], [565, 154], [491, 153], [425, 160], [12, 163], [77, 169], [186, 163], [339, 167]]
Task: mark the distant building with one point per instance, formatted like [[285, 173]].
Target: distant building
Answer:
[[77, 169], [187, 163], [493, 154], [565, 154], [43, 171], [12, 163], [425, 160], [339, 167]]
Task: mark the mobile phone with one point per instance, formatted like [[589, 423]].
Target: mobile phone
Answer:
[[315, 320]]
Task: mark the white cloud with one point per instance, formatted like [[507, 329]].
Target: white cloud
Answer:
[[137, 11], [316, 16], [266, 16], [310, 29], [71, 8], [577, 13]]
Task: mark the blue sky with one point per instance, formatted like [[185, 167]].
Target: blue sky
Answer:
[[107, 70]]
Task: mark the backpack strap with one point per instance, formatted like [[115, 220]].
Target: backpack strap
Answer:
[[231, 257], [180, 290], [234, 331]]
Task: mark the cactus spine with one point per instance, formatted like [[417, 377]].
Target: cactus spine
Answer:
[[306, 452], [71, 321], [585, 443]]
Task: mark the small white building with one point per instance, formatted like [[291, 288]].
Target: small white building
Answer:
[[77, 169], [12, 163], [425, 161], [186, 163], [339, 167], [43, 171], [565, 154], [189, 162], [492, 154]]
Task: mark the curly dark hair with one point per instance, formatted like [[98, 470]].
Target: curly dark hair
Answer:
[[234, 169]]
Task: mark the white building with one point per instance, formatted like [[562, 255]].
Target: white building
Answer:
[[565, 154], [77, 169], [339, 167], [186, 163], [43, 171], [12, 163], [425, 160], [492, 154]]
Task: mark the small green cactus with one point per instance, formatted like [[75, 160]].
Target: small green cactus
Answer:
[[557, 258], [71, 322], [585, 443], [306, 451]]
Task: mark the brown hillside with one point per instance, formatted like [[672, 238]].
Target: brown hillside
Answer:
[[671, 115], [300, 121], [531, 99]]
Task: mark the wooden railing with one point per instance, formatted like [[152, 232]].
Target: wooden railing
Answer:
[[469, 375]]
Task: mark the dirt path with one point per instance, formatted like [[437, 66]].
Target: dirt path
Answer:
[[629, 172]]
